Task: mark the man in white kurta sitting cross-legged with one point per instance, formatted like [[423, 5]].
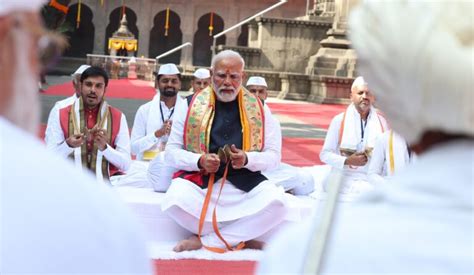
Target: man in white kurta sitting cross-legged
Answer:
[[294, 179], [249, 205], [150, 133], [351, 138], [391, 154]]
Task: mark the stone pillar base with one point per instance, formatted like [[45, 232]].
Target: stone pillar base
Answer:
[[330, 90]]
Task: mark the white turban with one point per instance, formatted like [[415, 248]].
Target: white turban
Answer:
[[418, 59], [8, 6]]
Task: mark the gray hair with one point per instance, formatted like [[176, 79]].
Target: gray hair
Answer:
[[226, 54]]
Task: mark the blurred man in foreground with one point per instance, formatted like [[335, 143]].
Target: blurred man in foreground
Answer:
[[54, 218], [421, 224]]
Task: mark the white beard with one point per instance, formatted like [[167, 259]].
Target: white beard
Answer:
[[23, 109], [225, 97]]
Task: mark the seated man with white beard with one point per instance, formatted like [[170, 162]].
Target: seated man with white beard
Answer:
[[217, 146], [351, 138], [294, 179]]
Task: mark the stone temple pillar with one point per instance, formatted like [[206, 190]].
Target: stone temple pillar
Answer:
[[333, 66]]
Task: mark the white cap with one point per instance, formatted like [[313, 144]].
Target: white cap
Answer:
[[80, 70], [417, 57], [202, 73], [8, 6], [169, 68], [359, 81], [257, 80]]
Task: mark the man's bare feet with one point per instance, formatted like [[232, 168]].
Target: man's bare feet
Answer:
[[192, 243], [254, 244]]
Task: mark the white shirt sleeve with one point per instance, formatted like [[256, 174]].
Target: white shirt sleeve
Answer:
[[377, 161], [176, 155], [270, 157], [330, 152], [141, 140], [120, 156], [54, 135]]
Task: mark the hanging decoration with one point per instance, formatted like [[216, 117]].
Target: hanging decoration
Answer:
[[123, 9], [102, 3], [60, 7], [211, 24], [167, 21], [78, 18]]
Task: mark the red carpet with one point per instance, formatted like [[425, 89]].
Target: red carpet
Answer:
[[318, 115], [301, 151], [203, 267], [117, 88]]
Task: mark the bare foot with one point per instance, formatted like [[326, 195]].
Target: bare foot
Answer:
[[254, 244], [193, 243]]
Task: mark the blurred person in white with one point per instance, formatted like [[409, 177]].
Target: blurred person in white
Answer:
[[54, 219], [296, 180], [391, 155], [54, 113], [418, 59], [350, 140]]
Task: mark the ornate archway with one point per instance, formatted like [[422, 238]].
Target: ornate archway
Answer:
[[243, 38], [162, 40], [81, 40], [202, 42], [114, 23]]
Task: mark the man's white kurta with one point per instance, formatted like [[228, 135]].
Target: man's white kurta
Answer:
[[379, 167], [147, 120], [56, 220], [420, 224], [54, 115], [236, 203], [298, 180], [355, 180], [118, 156]]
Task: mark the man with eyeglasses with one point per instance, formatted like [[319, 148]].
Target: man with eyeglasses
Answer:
[[220, 141], [54, 219], [91, 132], [350, 140]]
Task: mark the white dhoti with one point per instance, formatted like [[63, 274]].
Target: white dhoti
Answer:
[[241, 216], [291, 178], [136, 176], [160, 173]]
